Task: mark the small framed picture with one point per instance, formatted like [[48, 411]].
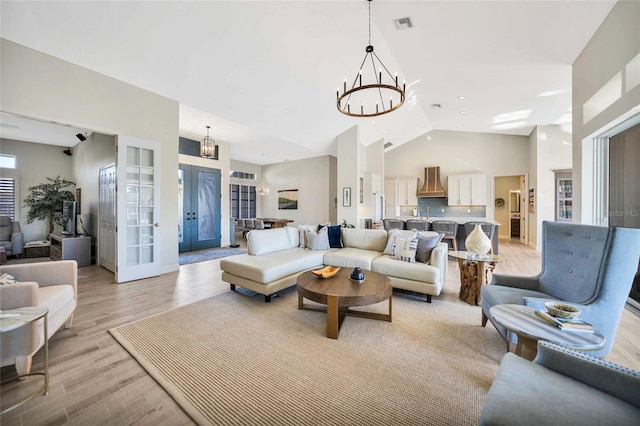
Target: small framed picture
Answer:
[[346, 196]]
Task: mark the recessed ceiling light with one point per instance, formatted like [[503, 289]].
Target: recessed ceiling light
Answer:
[[461, 97], [373, 121], [385, 132], [463, 112], [464, 124]]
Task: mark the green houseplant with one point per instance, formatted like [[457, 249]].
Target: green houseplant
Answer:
[[45, 201]]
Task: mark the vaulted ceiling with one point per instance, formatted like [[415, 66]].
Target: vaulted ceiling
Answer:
[[264, 74]]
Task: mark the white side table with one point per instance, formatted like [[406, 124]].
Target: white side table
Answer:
[[11, 319]]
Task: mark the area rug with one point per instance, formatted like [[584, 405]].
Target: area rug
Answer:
[[233, 359], [207, 254]]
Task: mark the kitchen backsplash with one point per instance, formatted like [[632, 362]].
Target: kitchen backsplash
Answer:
[[440, 208]]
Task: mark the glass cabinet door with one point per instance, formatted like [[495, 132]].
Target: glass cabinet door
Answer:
[[564, 197]]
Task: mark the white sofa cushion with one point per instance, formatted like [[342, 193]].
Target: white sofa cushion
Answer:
[[265, 241], [387, 265], [265, 269], [366, 239], [294, 236], [350, 257], [318, 240]]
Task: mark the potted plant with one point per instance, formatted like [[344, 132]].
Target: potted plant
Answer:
[[45, 201]]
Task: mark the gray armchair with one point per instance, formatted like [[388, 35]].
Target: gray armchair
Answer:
[[562, 387], [591, 267], [11, 236]]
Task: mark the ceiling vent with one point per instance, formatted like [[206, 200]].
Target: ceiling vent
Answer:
[[387, 145], [403, 24]]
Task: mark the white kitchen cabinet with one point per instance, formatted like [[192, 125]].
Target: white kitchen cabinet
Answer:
[[401, 192], [391, 192], [467, 190]]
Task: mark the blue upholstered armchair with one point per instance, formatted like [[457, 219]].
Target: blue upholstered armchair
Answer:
[[591, 267], [562, 387], [10, 236]]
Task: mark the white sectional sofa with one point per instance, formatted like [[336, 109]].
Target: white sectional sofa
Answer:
[[274, 261]]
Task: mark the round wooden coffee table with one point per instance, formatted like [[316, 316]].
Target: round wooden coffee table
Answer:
[[339, 293]]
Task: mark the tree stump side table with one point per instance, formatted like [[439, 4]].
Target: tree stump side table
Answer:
[[475, 270]]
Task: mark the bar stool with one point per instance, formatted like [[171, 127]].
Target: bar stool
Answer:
[[448, 228], [487, 227], [392, 224], [418, 225]]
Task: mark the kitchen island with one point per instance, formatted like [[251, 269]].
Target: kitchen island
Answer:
[[462, 234]]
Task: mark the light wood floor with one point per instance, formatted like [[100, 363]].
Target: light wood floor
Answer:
[[95, 381]]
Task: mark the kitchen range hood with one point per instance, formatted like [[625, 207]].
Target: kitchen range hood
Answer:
[[432, 187]]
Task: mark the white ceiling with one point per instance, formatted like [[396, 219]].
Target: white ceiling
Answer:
[[264, 74]]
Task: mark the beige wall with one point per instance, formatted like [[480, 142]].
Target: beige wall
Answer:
[[34, 163], [351, 158], [88, 158], [610, 51], [503, 186], [43, 87]]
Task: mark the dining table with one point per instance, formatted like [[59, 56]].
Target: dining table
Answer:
[[271, 222]]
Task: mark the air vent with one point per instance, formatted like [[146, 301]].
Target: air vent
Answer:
[[403, 24], [387, 145], [436, 106]]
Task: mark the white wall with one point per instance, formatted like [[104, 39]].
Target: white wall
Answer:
[[43, 87], [34, 163], [348, 146], [610, 51], [552, 151], [311, 177]]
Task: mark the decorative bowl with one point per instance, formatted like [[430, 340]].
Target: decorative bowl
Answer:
[[326, 272], [562, 310]]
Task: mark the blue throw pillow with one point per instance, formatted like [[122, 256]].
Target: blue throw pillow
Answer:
[[335, 236]]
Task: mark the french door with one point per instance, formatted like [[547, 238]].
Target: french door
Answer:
[[199, 207], [138, 207]]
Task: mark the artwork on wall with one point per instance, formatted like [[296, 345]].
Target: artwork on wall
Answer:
[[346, 196], [288, 199], [78, 200], [532, 200], [361, 190]]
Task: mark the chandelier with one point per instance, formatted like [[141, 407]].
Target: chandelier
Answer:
[[208, 147], [262, 189], [388, 95]]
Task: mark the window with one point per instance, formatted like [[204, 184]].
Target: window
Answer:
[[242, 201], [7, 161], [242, 175], [8, 197]]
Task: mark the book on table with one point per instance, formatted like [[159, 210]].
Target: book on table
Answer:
[[570, 324]]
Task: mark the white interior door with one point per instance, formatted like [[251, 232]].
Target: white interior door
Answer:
[[138, 200], [107, 219]]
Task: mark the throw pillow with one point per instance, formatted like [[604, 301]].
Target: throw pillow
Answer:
[[335, 236], [405, 249], [319, 240], [302, 230], [6, 279], [426, 246], [388, 249]]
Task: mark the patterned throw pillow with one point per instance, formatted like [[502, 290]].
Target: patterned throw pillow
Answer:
[[6, 279], [388, 249], [405, 249], [426, 246], [319, 240]]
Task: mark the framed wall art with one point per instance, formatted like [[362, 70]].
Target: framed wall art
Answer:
[[346, 196]]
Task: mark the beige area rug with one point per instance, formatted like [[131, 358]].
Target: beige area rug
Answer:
[[233, 359]]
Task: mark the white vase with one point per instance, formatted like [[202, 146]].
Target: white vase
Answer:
[[477, 241]]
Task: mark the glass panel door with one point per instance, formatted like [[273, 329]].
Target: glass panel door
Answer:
[[138, 197]]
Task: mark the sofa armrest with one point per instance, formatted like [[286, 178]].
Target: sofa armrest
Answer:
[[616, 380], [439, 258], [528, 283], [19, 295], [17, 243], [46, 273]]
